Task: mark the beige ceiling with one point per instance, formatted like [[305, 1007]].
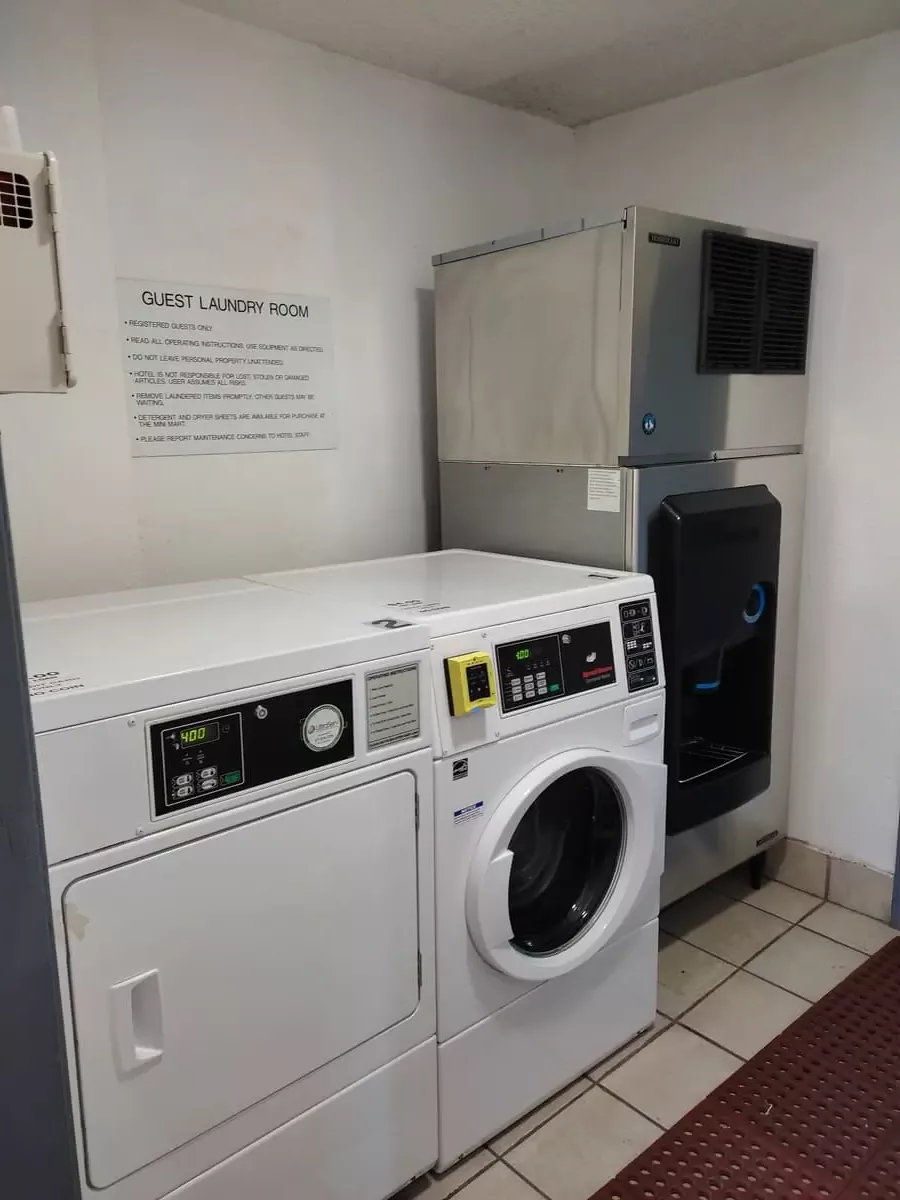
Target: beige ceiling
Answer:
[[571, 60]]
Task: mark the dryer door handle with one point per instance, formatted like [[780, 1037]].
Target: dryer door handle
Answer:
[[136, 1011]]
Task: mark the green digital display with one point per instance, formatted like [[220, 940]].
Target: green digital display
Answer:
[[193, 735], [521, 655]]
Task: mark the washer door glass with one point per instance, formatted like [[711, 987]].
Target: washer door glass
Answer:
[[567, 850]]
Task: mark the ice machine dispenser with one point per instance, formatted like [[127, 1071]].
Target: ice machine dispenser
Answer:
[[714, 556]]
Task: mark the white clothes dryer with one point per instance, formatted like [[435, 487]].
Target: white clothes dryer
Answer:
[[237, 797], [549, 816]]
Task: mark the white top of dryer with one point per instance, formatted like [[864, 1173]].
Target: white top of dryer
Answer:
[[453, 591], [93, 657]]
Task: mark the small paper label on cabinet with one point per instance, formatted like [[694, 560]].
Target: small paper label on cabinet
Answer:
[[392, 706], [604, 489], [469, 813]]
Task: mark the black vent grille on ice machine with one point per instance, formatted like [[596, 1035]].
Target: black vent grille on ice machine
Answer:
[[754, 316]]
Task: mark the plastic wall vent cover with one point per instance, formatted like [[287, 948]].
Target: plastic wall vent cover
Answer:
[[814, 1116], [16, 210], [755, 301]]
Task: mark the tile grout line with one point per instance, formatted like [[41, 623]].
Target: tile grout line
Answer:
[[846, 945], [712, 1042], [746, 967], [690, 1008], [541, 1124], [715, 988], [755, 954], [628, 1057], [825, 993], [534, 1187], [734, 971], [778, 987], [471, 1179], [790, 925], [633, 1107]]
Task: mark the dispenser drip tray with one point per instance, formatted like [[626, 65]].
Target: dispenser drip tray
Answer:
[[698, 757]]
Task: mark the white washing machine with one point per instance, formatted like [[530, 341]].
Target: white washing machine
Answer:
[[237, 796], [549, 816]]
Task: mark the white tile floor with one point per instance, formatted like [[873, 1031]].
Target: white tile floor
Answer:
[[736, 968]]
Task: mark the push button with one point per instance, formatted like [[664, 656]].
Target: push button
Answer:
[[182, 780], [209, 785], [182, 793], [209, 773]]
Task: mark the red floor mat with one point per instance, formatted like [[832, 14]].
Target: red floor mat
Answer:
[[816, 1114]]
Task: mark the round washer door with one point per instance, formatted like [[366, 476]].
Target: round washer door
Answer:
[[563, 860]]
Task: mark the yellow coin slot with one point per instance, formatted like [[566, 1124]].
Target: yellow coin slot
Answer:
[[470, 683]]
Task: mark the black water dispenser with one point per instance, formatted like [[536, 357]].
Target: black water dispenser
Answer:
[[714, 557]]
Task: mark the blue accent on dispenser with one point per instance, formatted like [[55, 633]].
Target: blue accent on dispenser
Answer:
[[759, 592]]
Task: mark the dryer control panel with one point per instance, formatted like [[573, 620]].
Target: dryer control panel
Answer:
[[640, 645], [553, 665], [213, 754]]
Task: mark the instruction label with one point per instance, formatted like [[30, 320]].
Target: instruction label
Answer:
[[604, 489], [392, 706], [213, 370], [469, 813], [48, 683]]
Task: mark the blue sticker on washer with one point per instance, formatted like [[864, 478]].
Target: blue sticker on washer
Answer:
[[648, 423], [468, 813]]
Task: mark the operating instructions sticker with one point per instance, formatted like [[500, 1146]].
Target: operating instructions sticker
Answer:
[[392, 705], [214, 370]]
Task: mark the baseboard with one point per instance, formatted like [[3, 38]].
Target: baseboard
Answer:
[[851, 884]]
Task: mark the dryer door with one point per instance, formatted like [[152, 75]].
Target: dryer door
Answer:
[[563, 861], [213, 974]]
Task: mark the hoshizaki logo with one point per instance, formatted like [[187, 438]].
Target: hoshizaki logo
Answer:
[[323, 727]]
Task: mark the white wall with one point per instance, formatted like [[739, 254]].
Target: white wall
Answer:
[[194, 148], [813, 150]]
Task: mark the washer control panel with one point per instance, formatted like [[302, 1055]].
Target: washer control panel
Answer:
[[229, 749], [554, 665], [640, 645]]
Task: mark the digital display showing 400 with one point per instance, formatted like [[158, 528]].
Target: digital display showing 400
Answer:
[[192, 735]]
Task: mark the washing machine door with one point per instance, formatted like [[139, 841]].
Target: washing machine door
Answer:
[[563, 861]]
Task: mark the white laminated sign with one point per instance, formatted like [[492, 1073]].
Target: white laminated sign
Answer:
[[213, 370]]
